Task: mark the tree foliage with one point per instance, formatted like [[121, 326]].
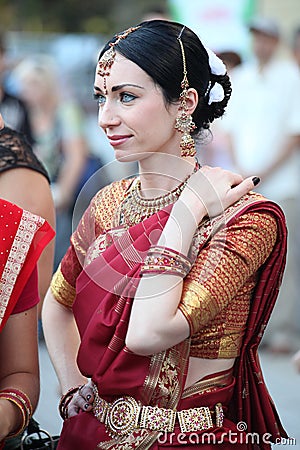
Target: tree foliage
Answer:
[[73, 16]]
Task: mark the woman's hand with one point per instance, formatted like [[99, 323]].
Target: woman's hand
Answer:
[[82, 400], [214, 189]]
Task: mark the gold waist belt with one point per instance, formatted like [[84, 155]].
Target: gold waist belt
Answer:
[[125, 414]]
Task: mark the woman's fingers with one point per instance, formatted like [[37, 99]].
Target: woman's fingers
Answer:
[[82, 400], [241, 189], [86, 393]]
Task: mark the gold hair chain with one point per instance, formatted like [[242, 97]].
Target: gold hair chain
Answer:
[[184, 122]]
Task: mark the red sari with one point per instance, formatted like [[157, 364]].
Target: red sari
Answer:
[[23, 237], [109, 283]]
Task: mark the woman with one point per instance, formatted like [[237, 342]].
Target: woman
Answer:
[[57, 125], [24, 235], [169, 304], [31, 191]]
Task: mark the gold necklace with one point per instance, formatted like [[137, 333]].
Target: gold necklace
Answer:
[[135, 208]]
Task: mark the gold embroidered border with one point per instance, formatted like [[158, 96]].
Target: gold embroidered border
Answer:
[[202, 386], [196, 305], [27, 228], [63, 292]]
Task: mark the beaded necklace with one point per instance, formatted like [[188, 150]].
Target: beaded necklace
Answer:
[[135, 208]]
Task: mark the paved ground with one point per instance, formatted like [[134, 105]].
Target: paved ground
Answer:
[[282, 380]]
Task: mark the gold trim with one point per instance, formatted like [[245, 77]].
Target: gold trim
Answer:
[[28, 226], [63, 292], [202, 386], [194, 297]]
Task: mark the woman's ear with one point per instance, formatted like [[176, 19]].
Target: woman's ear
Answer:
[[192, 100], [1, 122]]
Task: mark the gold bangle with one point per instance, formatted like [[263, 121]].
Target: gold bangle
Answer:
[[25, 416]]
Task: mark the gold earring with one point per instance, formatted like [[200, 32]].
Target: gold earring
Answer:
[[184, 122]]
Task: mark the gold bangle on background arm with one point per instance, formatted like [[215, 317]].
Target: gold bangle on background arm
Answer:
[[22, 401]]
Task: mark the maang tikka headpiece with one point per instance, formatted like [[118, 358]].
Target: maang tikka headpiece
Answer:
[[184, 122], [107, 59]]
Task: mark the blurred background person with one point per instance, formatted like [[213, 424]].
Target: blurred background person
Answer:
[[263, 122], [156, 12], [58, 129], [296, 46], [12, 108]]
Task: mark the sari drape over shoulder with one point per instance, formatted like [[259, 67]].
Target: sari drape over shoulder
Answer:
[[24, 235], [104, 292]]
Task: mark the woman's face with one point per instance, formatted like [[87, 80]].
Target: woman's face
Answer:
[[133, 113]]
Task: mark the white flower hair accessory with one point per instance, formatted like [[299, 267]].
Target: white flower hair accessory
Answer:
[[217, 67]]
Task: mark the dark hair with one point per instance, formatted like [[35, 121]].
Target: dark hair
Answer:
[[154, 47]]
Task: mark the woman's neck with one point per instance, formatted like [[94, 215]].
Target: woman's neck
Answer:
[[163, 173]]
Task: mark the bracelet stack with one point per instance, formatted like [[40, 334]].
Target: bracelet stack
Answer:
[[21, 400], [65, 401], [165, 260]]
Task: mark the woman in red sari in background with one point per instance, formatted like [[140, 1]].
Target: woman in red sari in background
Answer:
[[171, 276], [23, 236]]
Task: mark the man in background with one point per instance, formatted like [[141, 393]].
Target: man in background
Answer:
[[263, 125]]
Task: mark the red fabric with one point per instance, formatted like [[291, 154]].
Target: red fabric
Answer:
[[34, 234], [109, 284], [251, 401], [29, 296], [117, 372]]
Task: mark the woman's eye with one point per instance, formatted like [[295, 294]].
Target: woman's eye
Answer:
[[100, 99], [126, 98]]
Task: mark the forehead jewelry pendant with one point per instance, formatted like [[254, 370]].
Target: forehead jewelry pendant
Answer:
[[107, 59]]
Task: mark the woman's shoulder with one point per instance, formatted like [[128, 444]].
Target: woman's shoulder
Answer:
[[253, 211], [253, 202], [114, 191], [107, 199], [257, 213]]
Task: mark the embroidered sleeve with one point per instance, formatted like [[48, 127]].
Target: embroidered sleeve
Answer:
[[64, 280], [224, 265]]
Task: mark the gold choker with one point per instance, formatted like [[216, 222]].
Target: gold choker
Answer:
[[135, 208]]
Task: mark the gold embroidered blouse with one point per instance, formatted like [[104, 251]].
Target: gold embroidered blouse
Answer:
[[216, 293]]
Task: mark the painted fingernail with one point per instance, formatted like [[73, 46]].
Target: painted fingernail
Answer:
[[86, 406], [255, 181], [88, 397]]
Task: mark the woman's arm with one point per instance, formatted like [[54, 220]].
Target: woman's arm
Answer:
[[31, 191], [156, 323], [19, 366], [62, 340]]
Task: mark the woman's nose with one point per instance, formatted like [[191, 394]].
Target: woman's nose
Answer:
[[107, 116]]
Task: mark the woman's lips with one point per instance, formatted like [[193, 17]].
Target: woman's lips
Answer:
[[116, 140]]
